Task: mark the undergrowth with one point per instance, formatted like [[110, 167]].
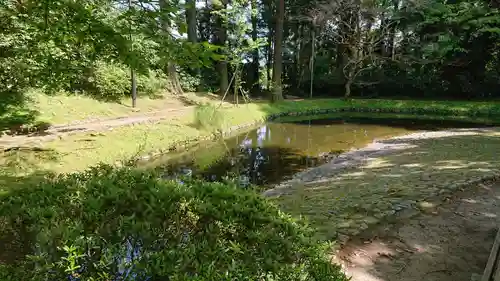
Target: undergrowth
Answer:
[[128, 224]]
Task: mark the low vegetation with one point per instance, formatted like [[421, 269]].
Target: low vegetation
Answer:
[[208, 117], [125, 224]]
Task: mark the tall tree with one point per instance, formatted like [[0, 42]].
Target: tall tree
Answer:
[[133, 79], [255, 54], [220, 39], [277, 91], [166, 31], [191, 20]]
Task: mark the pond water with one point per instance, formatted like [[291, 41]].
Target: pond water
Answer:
[[275, 151]]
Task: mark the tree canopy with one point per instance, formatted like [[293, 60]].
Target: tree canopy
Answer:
[[369, 48]]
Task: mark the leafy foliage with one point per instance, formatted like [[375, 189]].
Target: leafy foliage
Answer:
[[126, 224], [110, 80], [152, 84]]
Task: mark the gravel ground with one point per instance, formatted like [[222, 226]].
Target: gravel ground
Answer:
[[449, 242], [363, 188]]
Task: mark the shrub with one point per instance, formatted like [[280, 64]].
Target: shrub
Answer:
[[109, 81], [152, 84], [208, 117], [189, 83], [126, 224]]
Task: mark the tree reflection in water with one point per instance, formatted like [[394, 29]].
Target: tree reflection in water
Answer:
[[254, 157]]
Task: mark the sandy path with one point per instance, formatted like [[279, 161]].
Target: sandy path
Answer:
[[58, 131], [450, 242]]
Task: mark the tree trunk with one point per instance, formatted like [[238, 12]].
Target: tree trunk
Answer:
[[221, 37], [392, 31], [349, 80], [270, 36], [347, 88], [133, 81], [133, 90], [255, 53], [269, 60], [191, 20], [294, 75], [174, 79], [171, 69], [277, 92]]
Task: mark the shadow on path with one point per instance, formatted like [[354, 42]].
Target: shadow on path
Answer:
[[451, 242]]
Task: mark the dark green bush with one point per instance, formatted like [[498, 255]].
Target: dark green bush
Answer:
[[125, 224]]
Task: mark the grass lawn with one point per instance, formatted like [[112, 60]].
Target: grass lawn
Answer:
[[62, 108], [77, 152]]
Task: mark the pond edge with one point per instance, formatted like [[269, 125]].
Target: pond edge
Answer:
[[189, 142]]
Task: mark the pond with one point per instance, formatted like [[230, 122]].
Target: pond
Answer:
[[275, 151]]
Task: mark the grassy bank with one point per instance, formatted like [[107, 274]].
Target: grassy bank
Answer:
[[77, 152], [63, 108]]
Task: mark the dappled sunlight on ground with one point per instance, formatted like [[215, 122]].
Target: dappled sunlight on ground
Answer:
[[450, 243], [349, 199]]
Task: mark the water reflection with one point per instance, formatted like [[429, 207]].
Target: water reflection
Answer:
[[275, 151]]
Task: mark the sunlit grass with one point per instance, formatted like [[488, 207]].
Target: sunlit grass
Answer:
[[62, 108], [79, 151]]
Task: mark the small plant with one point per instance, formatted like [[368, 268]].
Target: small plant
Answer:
[[128, 224], [208, 117]]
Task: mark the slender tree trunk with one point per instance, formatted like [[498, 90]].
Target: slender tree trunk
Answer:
[[133, 81], [294, 76], [342, 50], [355, 51], [269, 60], [392, 31], [313, 53], [191, 20], [277, 92], [171, 69], [221, 37], [255, 53]]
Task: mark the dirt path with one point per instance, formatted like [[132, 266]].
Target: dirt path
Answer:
[[450, 242], [58, 131]]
